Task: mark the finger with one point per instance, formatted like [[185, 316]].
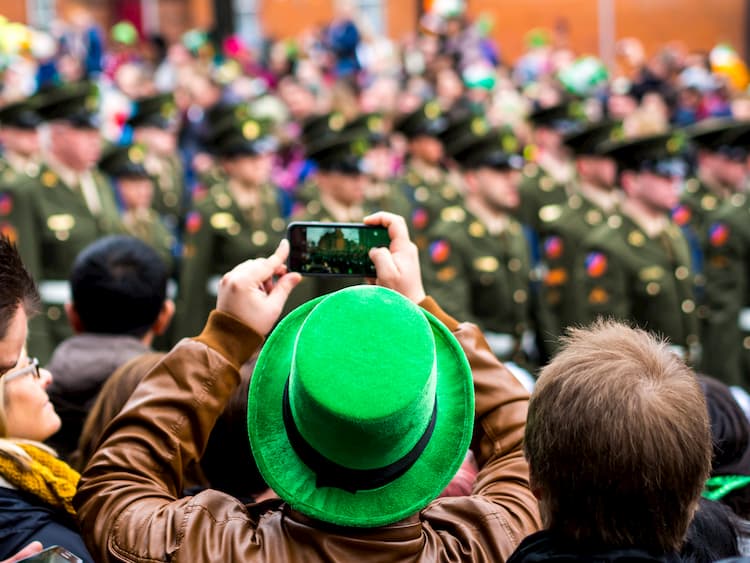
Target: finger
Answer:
[[280, 292], [261, 269], [396, 225], [385, 267], [31, 549]]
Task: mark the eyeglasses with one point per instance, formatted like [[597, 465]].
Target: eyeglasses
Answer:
[[32, 368]]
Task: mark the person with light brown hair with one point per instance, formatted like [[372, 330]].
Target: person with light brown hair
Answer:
[[619, 448]]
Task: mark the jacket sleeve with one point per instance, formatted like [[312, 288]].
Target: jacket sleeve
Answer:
[[128, 501], [502, 509]]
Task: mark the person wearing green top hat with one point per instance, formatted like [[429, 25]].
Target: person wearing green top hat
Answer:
[[636, 266], [477, 260], [563, 226], [19, 163], [154, 123], [125, 165], [71, 204], [238, 218], [361, 408], [726, 268], [426, 181], [549, 171], [340, 181]]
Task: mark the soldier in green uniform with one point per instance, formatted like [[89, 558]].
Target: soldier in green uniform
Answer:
[[71, 204], [154, 125], [550, 170], [637, 264], [382, 191], [426, 181], [726, 267], [125, 165], [477, 258], [238, 219], [564, 226], [18, 164], [341, 184]]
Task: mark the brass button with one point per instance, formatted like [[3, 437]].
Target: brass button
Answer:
[[547, 184], [688, 306], [278, 224], [653, 288], [519, 296], [421, 194], [514, 264], [575, 202], [259, 238], [681, 273], [53, 313], [62, 235], [234, 229], [614, 222], [170, 199]]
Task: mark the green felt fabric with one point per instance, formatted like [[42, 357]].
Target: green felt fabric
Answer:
[[367, 368]]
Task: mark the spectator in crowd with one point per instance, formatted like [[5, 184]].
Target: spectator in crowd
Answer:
[[619, 448], [336, 507], [36, 487], [712, 534], [118, 285]]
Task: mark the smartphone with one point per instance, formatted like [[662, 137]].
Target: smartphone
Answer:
[[54, 554], [334, 249]]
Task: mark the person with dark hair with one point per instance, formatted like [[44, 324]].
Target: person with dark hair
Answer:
[[361, 408], [118, 285], [712, 534], [729, 483], [36, 487], [619, 448]]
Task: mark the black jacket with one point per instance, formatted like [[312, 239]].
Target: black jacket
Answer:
[[23, 519], [546, 546]]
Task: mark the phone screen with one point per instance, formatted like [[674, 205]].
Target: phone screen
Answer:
[[334, 249]]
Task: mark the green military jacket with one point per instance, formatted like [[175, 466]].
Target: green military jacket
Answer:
[[149, 226], [538, 190], [314, 286], [428, 198], [62, 226], [478, 276], [697, 205], [15, 212], [726, 326], [169, 197], [218, 236], [388, 196], [563, 228], [630, 276]]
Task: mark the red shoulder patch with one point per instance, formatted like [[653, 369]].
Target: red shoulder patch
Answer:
[[553, 247], [718, 234], [420, 218], [440, 250], [682, 215], [596, 264], [6, 204], [193, 222]]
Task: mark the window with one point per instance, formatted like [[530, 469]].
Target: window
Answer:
[[372, 14], [41, 13]]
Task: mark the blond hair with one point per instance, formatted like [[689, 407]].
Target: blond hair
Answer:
[[618, 440]]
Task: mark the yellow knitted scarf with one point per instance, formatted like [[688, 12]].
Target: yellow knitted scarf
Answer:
[[46, 477]]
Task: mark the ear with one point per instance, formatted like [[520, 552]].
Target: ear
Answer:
[[74, 319], [161, 324]]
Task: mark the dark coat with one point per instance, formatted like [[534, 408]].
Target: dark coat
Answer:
[[23, 519]]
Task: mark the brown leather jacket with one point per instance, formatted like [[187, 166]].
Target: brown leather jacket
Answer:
[[129, 506]]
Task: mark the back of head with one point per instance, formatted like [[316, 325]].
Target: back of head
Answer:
[[119, 285], [618, 440], [16, 286], [730, 430], [113, 396]]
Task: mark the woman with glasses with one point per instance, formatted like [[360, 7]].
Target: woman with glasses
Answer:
[[36, 487]]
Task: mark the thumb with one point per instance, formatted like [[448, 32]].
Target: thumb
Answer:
[[280, 292], [385, 267], [31, 549]]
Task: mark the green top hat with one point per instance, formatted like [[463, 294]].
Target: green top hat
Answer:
[[589, 139], [74, 102], [498, 149], [563, 117], [720, 135], [126, 161], [428, 121], [663, 154], [371, 126], [21, 115], [246, 138], [154, 111], [342, 153], [360, 408]]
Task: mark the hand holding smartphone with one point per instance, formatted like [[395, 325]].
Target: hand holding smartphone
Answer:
[[334, 249], [53, 554]]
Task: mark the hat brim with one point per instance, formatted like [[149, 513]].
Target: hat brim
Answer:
[[295, 482]]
